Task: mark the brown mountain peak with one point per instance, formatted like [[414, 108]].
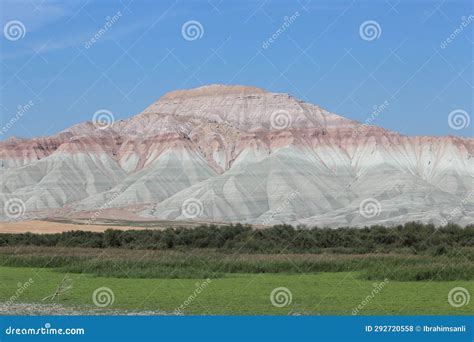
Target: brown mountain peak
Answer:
[[213, 90]]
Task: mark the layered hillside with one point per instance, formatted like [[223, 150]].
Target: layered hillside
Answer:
[[239, 154]]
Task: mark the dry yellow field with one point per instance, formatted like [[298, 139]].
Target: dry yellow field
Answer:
[[48, 227]]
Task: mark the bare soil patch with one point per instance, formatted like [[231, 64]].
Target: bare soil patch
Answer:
[[48, 227]]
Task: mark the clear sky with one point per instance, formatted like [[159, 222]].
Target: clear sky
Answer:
[[346, 56]]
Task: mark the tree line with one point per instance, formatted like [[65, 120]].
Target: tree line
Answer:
[[414, 237]]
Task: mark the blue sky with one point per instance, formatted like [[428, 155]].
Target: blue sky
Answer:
[[321, 57]]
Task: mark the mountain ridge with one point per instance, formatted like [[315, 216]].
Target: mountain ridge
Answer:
[[240, 152]]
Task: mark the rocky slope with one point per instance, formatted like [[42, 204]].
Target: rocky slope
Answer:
[[240, 154]]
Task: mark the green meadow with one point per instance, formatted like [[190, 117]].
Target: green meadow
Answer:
[[205, 282], [413, 269], [325, 293]]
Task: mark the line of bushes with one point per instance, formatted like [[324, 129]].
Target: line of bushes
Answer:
[[411, 237], [121, 263]]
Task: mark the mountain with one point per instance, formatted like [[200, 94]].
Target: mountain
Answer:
[[238, 154]]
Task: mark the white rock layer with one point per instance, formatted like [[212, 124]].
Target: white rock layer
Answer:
[[240, 154]]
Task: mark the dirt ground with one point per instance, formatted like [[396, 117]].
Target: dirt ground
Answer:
[[26, 309], [59, 225], [47, 227]]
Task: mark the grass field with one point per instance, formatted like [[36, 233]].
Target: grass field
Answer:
[[164, 281], [315, 294], [208, 263]]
